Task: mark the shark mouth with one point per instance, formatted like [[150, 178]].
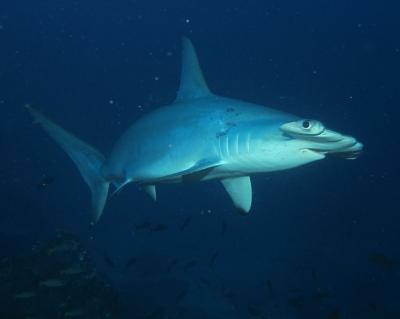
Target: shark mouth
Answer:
[[321, 140], [349, 155], [350, 152]]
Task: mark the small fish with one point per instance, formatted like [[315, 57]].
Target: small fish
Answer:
[[334, 315], [90, 275], [205, 282], [230, 294], [285, 97], [297, 303], [294, 290], [268, 283], [159, 227], [131, 261], [52, 283], [372, 306], [213, 258], [314, 274], [109, 262], [223, 228], [73, 270], [73, 313], [182, 294], [156, 314], [45, 181], [63, 246], [25, 295], [189, 264], [185, 223], [382, 260], [321, 295], [142, 226], [254, 312], [172, 264]]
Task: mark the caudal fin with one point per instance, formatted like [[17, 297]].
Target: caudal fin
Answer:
[[88, 160]]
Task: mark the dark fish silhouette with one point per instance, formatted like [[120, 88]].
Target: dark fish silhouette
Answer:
[[156, 314], [383, 261], [204, 282], [268, 284], [253, 311], [294, 290], [213, 258], [142, 226], [63, 244], [45, 182], [322, 295], [189, 264], [372, 306], [131, 261], [314, 274], [223, 228], [230, 294], [297, 303], [172, 264], [109, 262], [185, 223], [334, 315], [256, 313], [159, 227], [182, 294]]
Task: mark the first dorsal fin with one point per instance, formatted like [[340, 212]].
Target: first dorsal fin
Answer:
[[192, 84]]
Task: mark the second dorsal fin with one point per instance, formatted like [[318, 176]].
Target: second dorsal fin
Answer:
[[192, 85]]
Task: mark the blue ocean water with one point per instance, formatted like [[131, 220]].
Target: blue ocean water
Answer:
[[322, 241]]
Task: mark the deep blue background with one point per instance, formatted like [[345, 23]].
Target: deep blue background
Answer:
[[96, 66]]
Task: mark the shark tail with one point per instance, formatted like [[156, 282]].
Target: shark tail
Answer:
[[88, 160]]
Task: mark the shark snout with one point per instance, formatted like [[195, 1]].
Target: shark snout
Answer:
[[331, 142], [348, 148], [317, 138]]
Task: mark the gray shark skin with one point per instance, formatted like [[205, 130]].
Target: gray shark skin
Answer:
[[201, 136]]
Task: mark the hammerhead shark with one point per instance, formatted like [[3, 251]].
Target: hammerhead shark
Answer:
[[201, 136]]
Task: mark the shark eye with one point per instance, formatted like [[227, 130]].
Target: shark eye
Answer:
[[306, 124], [303, 127]]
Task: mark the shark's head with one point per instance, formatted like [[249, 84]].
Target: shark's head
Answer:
[[309, 140], [300, 142], [311, 137]]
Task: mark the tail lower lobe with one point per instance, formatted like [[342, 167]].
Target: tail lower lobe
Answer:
[[88, 160]]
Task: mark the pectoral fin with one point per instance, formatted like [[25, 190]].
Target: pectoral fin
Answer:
[[239, 189]]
